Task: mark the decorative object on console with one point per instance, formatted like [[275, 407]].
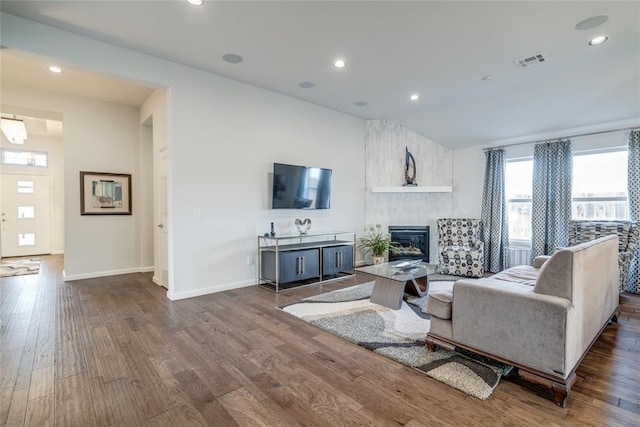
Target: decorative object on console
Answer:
[[409, 169], [376, 243], [303, 226]]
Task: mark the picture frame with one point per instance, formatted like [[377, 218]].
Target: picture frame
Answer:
[[104, 193]]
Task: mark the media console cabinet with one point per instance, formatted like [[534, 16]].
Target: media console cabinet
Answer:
[[286, 262]]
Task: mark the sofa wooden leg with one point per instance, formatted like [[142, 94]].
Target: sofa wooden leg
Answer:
[[431, 346], [614, 318], [545, 387]]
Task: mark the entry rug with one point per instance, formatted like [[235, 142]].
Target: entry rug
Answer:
[[398, 335], [19, 267]]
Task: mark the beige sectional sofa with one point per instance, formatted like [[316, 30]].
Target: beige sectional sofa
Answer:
[[542, 319]]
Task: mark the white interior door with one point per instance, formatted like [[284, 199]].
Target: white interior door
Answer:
[[25, 215], [161, 270]]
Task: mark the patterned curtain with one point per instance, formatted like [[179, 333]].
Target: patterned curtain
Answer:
[[495, 229], [633, 283], [551, 197]]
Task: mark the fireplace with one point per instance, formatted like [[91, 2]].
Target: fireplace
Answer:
[[413, 241]]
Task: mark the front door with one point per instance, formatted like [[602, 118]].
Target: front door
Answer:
[[25, 215]]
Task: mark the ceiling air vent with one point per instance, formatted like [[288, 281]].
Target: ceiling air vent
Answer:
[[532, 60]]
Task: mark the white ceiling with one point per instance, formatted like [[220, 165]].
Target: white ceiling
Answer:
[[439, 49]]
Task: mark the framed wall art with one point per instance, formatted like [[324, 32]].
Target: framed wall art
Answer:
[[103, 193]]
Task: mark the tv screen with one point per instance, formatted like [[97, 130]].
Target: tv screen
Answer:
[[301, 187]]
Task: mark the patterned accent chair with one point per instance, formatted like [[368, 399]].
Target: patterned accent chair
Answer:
[[460, 247], [628, 233]]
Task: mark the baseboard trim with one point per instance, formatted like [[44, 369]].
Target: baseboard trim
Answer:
[[174, 296], [106, 273]]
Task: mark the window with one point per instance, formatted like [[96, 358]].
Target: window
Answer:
[[600, 185], [518, 189], [26, 212], [599, 190], [25, 186], [26, 239], [24, 158]]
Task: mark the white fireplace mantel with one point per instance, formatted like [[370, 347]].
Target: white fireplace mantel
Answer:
[[416, 189]]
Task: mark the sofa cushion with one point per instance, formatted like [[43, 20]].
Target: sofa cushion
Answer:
[[524, 274], [439, 304]]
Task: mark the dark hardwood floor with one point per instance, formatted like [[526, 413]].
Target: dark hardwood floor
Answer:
[[116, 351]]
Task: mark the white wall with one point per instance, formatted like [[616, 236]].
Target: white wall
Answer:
[[53, 147], [468, 178], [223, 138], [385, 163]]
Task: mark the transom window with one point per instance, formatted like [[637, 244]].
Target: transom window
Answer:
[[24, 158]]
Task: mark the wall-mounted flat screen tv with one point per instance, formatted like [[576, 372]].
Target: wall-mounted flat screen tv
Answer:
[[301, 187]]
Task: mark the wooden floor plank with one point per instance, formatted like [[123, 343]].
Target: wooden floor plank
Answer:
[[123, 403], [72, 406], [115, 351], [18, 408], [100, 401], [42, 382], [41, 412]]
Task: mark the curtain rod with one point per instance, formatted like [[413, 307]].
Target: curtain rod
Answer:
[[559, 138]]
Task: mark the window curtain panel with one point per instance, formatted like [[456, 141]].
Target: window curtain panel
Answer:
[[495, 230], [633, 191], [551, 197]]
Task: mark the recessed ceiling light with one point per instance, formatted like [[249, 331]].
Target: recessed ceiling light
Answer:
[[360, 103], [414, 97], [55, 69], [589, 23], [196, 2], [306, 85], [487, 78], [598, 40], [232, 58], [339, 64]]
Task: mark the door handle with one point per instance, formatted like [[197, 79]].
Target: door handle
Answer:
[[160, 225], [301, 265]]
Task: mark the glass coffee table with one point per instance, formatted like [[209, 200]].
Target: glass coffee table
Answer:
[[392, 278]]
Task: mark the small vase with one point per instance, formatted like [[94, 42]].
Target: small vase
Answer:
[[378, 260]]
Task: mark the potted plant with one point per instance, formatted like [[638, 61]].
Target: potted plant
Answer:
[[376, 243]]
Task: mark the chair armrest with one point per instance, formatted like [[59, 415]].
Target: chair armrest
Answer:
[[512, 321], [539, 260]]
